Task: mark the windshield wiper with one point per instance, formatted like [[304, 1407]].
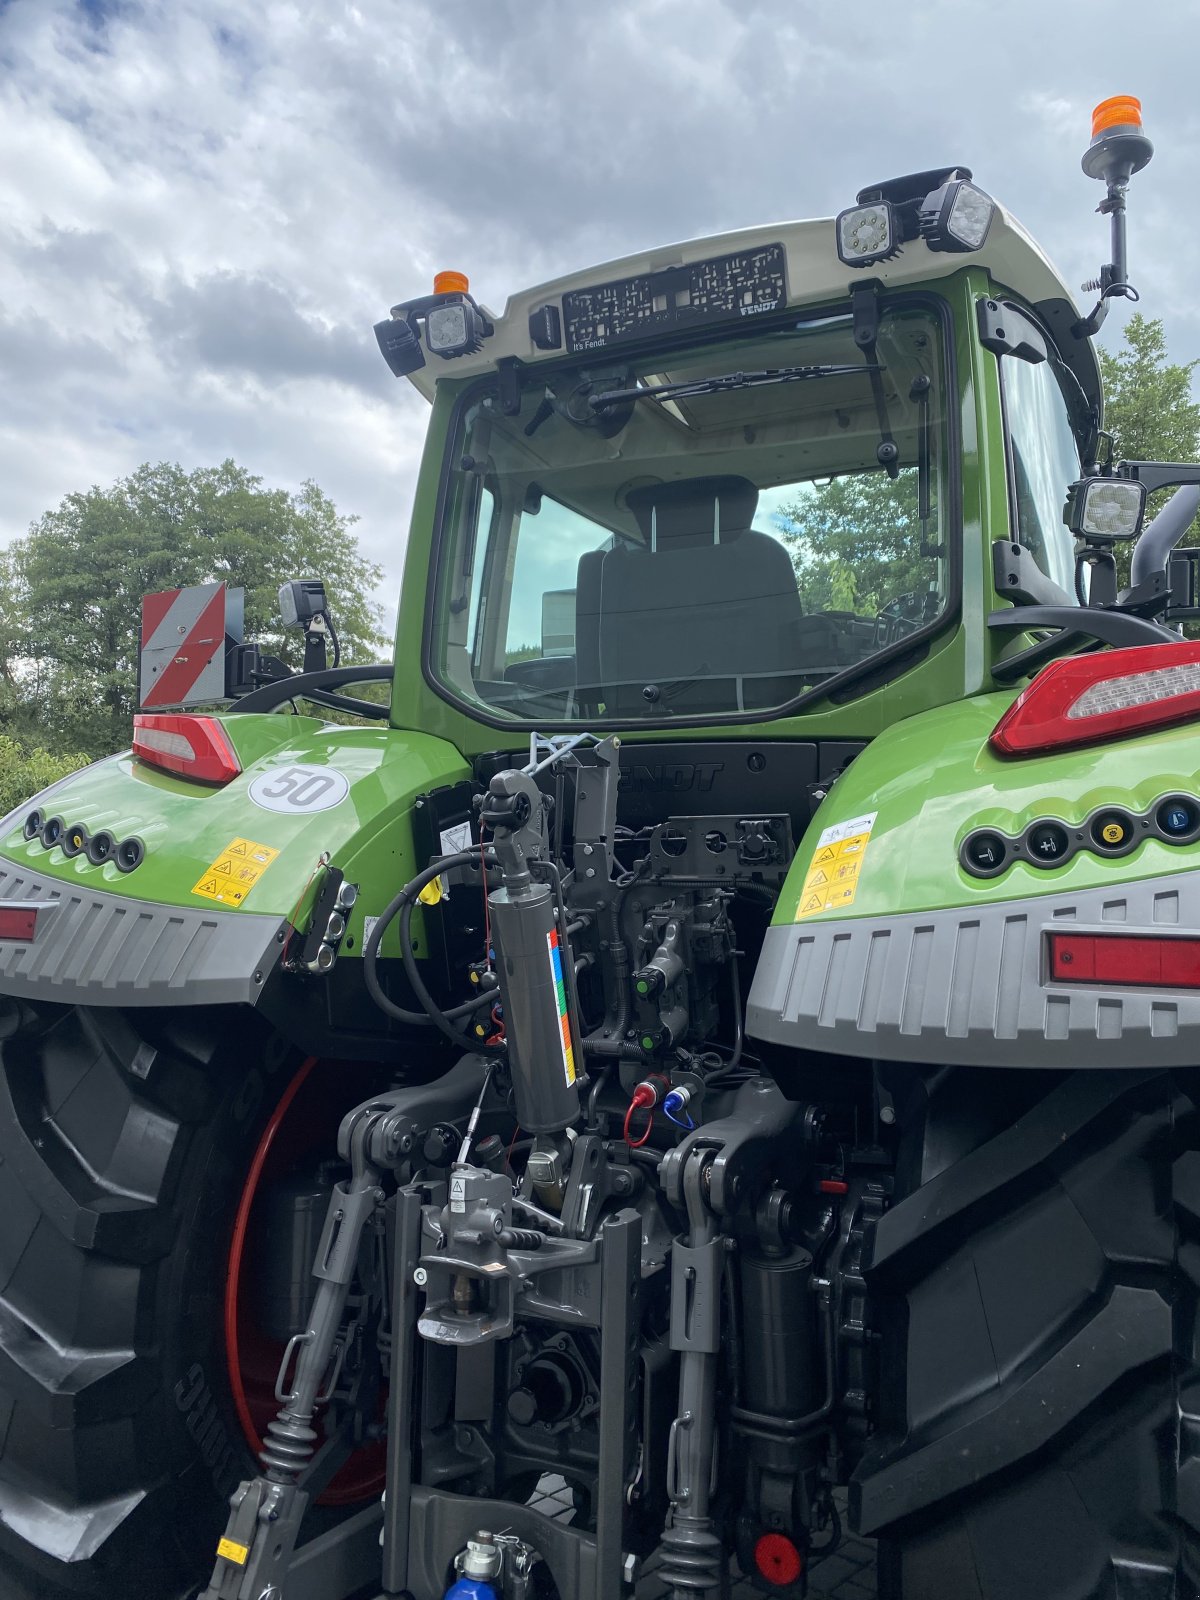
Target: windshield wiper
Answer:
[[727, 380]]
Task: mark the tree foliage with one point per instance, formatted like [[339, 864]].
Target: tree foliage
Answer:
[[26, 772], [76, 581], [1149, 408], [856, 542]]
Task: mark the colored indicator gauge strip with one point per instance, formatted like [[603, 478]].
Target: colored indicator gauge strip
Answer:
[[1108, 831], [564, 1016]]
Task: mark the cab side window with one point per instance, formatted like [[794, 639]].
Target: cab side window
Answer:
[[1044, 460]]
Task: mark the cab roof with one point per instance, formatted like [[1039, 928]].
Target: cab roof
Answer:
[[814, 275]]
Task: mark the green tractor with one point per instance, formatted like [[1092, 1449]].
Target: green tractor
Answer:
[[709, 1069]]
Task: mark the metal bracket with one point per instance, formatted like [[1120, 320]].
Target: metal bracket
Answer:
[[733, 848]]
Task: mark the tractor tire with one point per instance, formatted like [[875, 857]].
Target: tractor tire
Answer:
[[125, 1143], [1036, 1285]]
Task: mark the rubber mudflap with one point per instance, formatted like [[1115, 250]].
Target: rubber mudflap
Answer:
[[1036, 1292]]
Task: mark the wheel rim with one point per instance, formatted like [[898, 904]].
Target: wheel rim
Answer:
[[299, 1126]]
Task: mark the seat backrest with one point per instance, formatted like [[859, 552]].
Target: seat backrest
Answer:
[[705, 597]]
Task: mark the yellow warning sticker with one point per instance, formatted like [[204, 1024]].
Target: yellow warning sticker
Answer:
[[836, 865], [230, 878], [239, 1554]]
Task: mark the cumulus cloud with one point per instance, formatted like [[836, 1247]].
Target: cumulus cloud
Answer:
[[205, 205]]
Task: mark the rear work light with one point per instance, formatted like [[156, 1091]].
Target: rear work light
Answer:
[[1088, 699], [1148, 961], [191, 747]]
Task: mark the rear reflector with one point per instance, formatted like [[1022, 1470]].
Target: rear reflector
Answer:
[[190, 746], [1088, 699], [18, 922], [778, 1560], [1126, 960]]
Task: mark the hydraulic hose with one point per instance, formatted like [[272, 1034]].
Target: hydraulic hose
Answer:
[[432, 1015], [439, 1018]]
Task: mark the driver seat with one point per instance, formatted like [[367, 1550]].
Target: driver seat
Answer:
[[705, 597]]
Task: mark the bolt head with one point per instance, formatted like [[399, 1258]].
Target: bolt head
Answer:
[[420, 1277]]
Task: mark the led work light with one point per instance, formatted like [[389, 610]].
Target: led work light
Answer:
[[1105, 508], [454, 329], [956, 217], [867, 233]]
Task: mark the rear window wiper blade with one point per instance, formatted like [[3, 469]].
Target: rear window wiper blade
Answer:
[[728, 380]]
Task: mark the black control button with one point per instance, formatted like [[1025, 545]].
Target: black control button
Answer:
[[1112, 830], [985, 853], [1178, 817], [1048, 844]]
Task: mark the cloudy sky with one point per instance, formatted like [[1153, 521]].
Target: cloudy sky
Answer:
[[205, 204]]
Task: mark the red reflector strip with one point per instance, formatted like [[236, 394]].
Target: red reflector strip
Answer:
[[1126, 960], [833, 1186], [18, 922]]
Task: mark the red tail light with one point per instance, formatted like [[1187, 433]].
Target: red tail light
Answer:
[[18, 922], [192, 747], [1092, 698], [1128, 960]]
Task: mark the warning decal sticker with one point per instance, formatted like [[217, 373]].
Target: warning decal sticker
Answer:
[[230, 878], [834, 870]]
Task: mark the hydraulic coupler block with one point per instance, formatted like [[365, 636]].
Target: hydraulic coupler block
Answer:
[[532, 962]]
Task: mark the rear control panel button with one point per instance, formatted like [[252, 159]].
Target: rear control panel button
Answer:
[[1048, 843], [1112, 832], [985, 853], [1178, 818], [1108, 831]]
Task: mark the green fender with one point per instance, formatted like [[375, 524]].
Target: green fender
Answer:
[[188, 828], [930, 780]]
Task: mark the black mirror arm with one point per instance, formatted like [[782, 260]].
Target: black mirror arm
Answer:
[[1117, 628]]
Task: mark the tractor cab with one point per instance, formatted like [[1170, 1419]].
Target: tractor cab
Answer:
[[752, 479]]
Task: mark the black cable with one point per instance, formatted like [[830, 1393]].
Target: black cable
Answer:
[[334, 640], [739, 1031], [818, 1552], [370, 958], [440, 1018]]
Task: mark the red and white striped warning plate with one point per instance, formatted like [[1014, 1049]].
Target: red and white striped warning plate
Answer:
[[182, 659]]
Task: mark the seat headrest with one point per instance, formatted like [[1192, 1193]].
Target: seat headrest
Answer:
[[693, 510]]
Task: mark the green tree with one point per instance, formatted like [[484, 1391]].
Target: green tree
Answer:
[[76, 581], [1148, 408], [1148, 404], [856, 542]]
